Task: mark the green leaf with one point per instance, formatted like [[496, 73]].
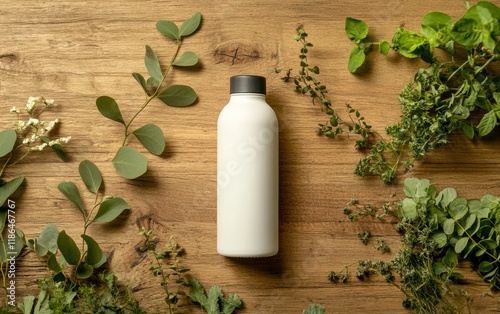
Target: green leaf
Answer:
[[68, 248], [187, 59], [178, 96], [409, 44], [232, 303], [6, 246], [101, 262], [410, 187], [314, 309], [438, 268], [9, 188], [447, 196], [151, 136], [440, 238], [94, 252], [90, 175], [458, 211], [57, 148], [84, 271], [437, 20], [190, 25], [110, 209], [356, 30], [487, 123], [129, 163], [153, 64], [3, 217], [461, 244], [356, 59], [486, 266], [468, 130], [70, 190], [450, 259], [213, 299], [48, 238], [449, 226], [140, 79], [467, 32], [53, 265], [26, 306], [197, 293], [409, 210], [168, 29], [108, 107], [384, 47], [8, 139]]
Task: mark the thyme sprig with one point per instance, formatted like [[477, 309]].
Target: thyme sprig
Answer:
[[307, 83]]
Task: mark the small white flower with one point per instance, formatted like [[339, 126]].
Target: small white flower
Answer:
[[14, 110], [66, 139], [39, 147], [30, 105], [20, 125], [48, 102], [33, 122], [26, 141]]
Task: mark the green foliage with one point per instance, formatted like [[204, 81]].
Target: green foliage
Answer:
[[103, 295], [59, 248], [439, 229], [306, 83], [8, 188], [444, 97], [314, 309], [128, 162], [357, 32], [214, 301], [167, 265]]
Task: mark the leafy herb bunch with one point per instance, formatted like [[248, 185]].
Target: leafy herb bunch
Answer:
[[128, 161], [307, 83], [439, 229], [175, 282], [449, 95]]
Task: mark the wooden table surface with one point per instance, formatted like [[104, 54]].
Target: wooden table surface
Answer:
[[76, 51]]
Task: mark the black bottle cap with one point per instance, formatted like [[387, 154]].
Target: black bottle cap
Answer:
[[247, 84]]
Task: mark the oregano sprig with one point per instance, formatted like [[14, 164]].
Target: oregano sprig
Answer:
[[128, 161]]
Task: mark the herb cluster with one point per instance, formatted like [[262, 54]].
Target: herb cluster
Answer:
[[438, 230], [447, 96], [128, 161]]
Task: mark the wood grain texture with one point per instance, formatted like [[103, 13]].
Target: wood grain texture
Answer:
[[76, 51]]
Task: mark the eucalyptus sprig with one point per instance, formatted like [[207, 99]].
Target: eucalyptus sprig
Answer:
[[59, 249], [439, 229], [444, 97], [307, 83], [128, 161]]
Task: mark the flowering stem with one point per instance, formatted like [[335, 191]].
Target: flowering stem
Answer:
[[155, 94]]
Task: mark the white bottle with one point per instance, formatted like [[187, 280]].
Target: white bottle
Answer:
[[247, 172]]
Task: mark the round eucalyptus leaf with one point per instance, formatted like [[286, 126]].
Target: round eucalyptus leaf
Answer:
[[68, 248], [178, 96], [151, 136], [90, 175], [129, 163], [7, 141], [84, 271]]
